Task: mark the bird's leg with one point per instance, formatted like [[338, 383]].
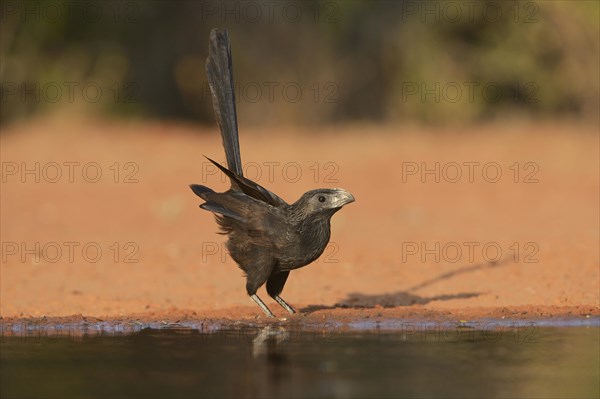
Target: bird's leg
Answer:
[[262, 305], [275, 285], [284, 304]]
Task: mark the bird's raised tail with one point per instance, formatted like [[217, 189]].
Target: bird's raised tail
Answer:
[[219, 70], [214, 202]]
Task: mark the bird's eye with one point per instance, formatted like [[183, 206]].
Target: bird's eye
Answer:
[[321, 198]]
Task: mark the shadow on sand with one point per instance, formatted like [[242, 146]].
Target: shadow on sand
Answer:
[[407, 297]]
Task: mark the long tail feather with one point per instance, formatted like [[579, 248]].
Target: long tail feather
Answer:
[[219, 70]]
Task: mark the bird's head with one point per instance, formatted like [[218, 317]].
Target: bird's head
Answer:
[[323, 201]]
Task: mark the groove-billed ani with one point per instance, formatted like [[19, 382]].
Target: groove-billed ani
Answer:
[[267, 236]]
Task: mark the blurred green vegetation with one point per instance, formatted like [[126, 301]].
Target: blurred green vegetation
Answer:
[[305, 63]]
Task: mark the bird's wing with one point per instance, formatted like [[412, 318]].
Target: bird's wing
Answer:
[[262, 225], [219, 70], [251, 188], [259, 223]]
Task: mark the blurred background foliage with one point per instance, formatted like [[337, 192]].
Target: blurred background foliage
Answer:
[[305, 63]]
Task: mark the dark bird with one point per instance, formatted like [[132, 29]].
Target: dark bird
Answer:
[[267, 236]]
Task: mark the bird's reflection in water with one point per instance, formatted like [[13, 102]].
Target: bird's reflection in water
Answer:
[[270, 354], [270, 343]]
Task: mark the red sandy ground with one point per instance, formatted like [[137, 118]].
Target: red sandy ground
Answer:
[[365, 273]]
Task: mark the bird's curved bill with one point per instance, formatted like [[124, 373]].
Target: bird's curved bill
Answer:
[[342, 197]]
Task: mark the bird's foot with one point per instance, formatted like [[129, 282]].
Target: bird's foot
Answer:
[[284, 304], [262, 305]]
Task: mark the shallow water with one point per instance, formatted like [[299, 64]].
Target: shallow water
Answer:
[[274, 361]]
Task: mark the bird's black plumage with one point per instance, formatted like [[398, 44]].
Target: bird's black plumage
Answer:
[[267, 236]]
